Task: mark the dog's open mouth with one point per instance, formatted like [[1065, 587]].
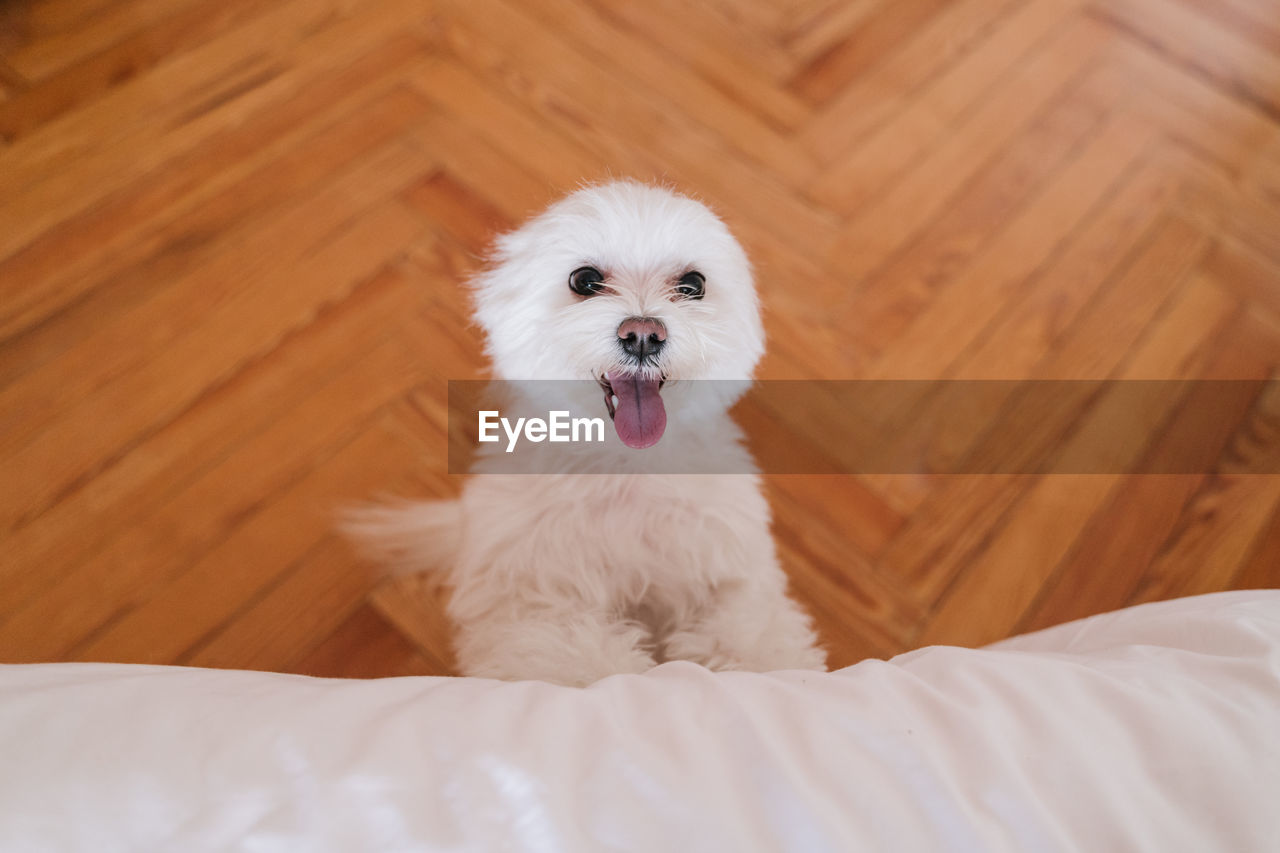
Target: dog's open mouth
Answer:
[[638, 416]]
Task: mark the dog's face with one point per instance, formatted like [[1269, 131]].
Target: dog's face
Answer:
[[626, 284]]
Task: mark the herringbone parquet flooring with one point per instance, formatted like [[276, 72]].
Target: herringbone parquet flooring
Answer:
[[232, 235]]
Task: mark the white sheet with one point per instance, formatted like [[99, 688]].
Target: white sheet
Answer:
[[1156, 728]]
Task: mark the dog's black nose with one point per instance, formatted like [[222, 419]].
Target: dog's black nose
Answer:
[[641, 337]]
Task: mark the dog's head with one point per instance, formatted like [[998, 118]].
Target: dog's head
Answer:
[[626, 284]]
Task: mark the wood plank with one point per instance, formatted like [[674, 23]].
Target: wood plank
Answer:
[[311, 599], [461, 213], [1005, 191], [817, 28], [167, 307], [1245, 271], [735, 59], [889, 223], [843, 504], [446, 339], [563, 161], [148, 549], [172, 615], [971, 136], [118, 115], [663, 103], [241, 328], [504, 183], [21, 24], [1255, 20], [959, 312], [825, 573], [577, 97], [958, 517], [845, 637], [1220, 204], [184, 215], [935, 68], [1262, 173], [365, 646], [1124, 537], [1197, 42], [1004, 577], [1113, 321], [415, 605], [332, 581], [1217, 529], [1042, 312], [877, 36], [1261, 570], [83, 35], [652, 78], [11, 83], [77, 161], [423, 421], [261, 404], [1133, 77], [1205, 555], [1038, 316], [100, 70]]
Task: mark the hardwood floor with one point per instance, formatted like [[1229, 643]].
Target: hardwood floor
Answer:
[[232, 236]]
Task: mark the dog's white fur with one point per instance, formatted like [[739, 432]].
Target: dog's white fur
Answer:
[[572, 577]]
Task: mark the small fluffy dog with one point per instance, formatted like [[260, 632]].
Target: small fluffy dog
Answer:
[[572, 577]]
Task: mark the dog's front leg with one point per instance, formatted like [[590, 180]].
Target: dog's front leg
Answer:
[[560, 645], [748, 625]]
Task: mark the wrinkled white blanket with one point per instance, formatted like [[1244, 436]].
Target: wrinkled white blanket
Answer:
[[1155, 728]]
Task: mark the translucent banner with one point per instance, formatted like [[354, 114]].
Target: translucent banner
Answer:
[[866, 427]]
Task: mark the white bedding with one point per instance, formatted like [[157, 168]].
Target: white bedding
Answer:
[[1155, 728]]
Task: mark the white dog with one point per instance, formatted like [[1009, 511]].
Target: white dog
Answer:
[[570, 577]]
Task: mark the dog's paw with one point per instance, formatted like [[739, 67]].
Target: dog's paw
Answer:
[[698, 648], [572, 649], [760, 654]]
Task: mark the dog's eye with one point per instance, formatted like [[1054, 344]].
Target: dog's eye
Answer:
[[586, 281], [691, 285]]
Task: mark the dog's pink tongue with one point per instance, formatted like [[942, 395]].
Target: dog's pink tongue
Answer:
[[640, 418]]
